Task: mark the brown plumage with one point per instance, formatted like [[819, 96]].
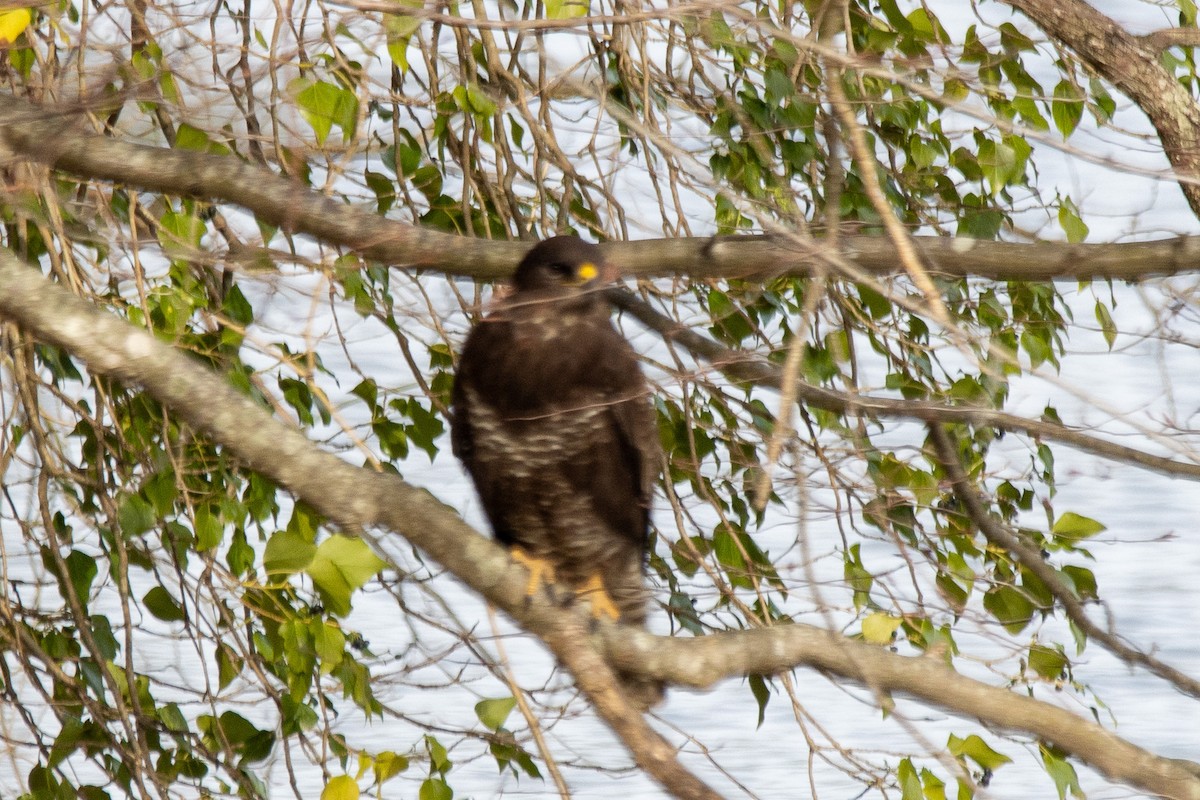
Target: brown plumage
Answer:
[[553, 421]]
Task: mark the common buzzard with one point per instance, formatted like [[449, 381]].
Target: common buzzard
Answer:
[[552, 419]]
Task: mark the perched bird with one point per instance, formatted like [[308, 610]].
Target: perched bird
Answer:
[[553, 421]]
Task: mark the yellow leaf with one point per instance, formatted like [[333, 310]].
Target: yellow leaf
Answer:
[[13, 23], [879, 627], [343, 787]]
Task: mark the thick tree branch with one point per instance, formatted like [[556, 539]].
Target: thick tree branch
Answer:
[[1132, 64], [925, 678], [357, 499], [49, 136], [353, 498]]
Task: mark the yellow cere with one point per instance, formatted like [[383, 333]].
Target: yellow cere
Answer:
[[587, 271]]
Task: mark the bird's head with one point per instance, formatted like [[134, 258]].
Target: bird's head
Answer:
[[563, 266]]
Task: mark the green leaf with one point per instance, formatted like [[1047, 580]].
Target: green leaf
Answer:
[[778, 85], [399, 29], [172, 718], [288, 552], [237, 307], [180, 232], [435, 789], [368, 391], [910, 783], [479, 103], [879, 627], [68, 740], [1105, 106], [1071, 223], [1010, 607], [1036, 343], [188, 137], [208, 529], [1107, 326], [233, 726], [102, 634], [161, 491], [876, 304], [998, 162], [1067, 107], [953, 592], [324, 105], [978, 751], [340, 787], [1058, 768], [1084, 581], [762, 696], [384, 190], [388, 765], [1048, 662], [229, 665], [82, 570], [927, 27], [329, 643], [493, 712], [158, 601], [935, 787], [439, 759], [1075, 527], [566, 9], [339, 566], [135, 516]]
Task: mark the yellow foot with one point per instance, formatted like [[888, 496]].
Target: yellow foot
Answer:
[[602, 605], [541, 571]]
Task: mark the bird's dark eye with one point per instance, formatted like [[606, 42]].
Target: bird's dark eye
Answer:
[[565, 270]]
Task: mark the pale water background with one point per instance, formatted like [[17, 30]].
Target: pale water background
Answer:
[[1147, 561]]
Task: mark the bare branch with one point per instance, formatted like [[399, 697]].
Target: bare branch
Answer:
[[927, 678]]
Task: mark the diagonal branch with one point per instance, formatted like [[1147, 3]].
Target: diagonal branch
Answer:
[[1030, 556], [357, 500], [926, 678], [747, 368], [1134, 65]]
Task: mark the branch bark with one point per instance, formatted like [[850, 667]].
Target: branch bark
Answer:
[[1172, 37], [925, 678], [1133, 65], [357, 500], [50, 136]]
